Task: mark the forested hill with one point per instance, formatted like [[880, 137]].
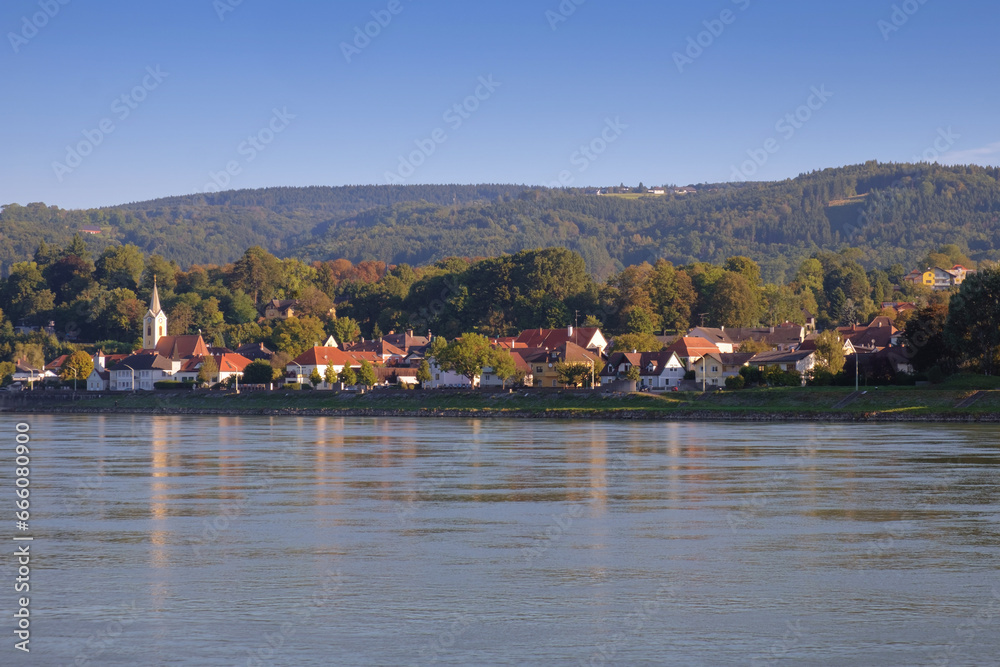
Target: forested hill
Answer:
[[217, 228], [891, 212]]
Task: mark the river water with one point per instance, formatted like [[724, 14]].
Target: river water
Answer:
[[344, 541]]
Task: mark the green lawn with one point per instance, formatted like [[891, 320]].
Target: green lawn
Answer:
[[941, 399]]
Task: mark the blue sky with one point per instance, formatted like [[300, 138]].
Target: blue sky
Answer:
[[202, 94]]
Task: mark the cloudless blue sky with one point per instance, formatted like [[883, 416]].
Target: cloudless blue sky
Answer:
[[892, 98]]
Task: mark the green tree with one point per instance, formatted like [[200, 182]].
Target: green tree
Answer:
[[503, 365], [925, 341], [467, 356], [637, 342], [297, 334], [633, 373], [734, 302], [25, 294], [241, 309], [257, 273], [424, 373], [120, 266], [366, 375], [330, 374], [348, 376], [315, 378], [973, 326], [640, 321], [830, 351], [346, 330], [209, 371], [258, 372], [77, 367], [573, 374], [746, 267], [33, 354], [7, 370]]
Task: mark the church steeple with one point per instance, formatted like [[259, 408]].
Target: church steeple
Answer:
[[154, 302], [154, 325]]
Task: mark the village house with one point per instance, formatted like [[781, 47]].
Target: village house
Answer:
[[938, 279], [589, 338], [657, 370], [712, 370], [318, 358], [521, 364], [385, 351], [879, 334], [802, 361], [690, 349], [280, 309], [230, 364]]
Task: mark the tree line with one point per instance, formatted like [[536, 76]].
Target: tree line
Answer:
[[100, 299]]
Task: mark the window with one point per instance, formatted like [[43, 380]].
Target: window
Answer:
[[715, 369], [538, 369], [437, 376]]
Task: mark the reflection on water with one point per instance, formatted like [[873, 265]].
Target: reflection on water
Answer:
[[333, 541]]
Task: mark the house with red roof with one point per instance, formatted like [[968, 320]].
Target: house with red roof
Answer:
[[318, 358], [230, 364], [589, 338]]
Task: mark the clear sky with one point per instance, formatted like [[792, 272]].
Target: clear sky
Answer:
[[109, 101]]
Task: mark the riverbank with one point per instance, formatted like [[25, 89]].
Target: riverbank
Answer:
[[918, 404]]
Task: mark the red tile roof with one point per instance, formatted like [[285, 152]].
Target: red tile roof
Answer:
[[181, 347], [553, 338], [688, 347]]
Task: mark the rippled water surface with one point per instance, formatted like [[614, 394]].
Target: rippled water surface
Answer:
[[327, 541]]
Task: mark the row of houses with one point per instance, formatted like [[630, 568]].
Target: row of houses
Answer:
[[707, 355]]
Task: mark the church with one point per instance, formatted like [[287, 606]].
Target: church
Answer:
[[160, 358]]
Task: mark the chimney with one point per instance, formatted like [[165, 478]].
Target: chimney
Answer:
[[409, 332], [722, 328], [569, 329]]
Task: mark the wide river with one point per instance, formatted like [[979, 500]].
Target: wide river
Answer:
[[348, 541]]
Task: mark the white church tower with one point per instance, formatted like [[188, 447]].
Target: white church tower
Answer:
[[154, 325]]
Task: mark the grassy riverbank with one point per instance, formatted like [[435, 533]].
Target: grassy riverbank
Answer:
[[946, 402]]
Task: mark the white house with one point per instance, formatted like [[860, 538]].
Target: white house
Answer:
[[661, 370], [440, 378], [140, 372]]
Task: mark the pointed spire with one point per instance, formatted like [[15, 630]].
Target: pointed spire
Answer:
[[154, 302]]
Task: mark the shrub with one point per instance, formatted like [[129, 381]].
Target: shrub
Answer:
[[821, 377], [735, 382], [292, 386]]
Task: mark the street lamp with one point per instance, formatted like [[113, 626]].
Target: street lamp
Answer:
[[133, 375]]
